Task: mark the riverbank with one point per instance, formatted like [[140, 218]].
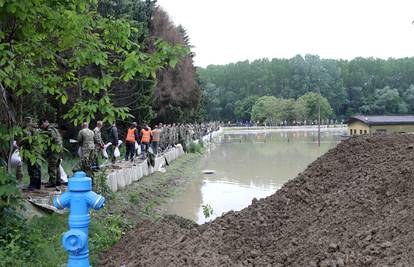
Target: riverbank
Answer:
[[141, 201], [305, 128], [351, 207]]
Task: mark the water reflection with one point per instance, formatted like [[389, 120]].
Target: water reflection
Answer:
[[249, 165]]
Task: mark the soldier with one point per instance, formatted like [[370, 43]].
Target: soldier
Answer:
[[86, 141], [53, 153], [33, 169], [99, 144]]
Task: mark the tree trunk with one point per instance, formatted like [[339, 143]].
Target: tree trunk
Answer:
[[8, 119]]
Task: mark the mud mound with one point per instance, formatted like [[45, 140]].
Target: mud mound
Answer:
[[351, 207]]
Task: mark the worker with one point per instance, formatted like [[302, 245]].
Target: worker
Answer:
[[86, 141], [113, 138], [29, 144], [156, 134], [54, 152], [145, 140], [99, 144], [132, 137]]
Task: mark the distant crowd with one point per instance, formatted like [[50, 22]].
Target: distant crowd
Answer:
[[287, 123], [140, 143]]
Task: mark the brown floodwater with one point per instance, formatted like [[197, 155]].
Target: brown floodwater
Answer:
[[249, 164]]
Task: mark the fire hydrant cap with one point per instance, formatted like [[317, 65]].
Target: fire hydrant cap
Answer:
[[79, 182], [74, 240]]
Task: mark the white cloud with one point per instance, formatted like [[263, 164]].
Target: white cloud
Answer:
[[225, 31]]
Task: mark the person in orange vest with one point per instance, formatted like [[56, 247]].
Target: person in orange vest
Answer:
[[156, 133], [131, 138], [145, 140]]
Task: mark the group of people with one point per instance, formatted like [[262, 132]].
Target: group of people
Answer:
[[90, 142], [53, 150]]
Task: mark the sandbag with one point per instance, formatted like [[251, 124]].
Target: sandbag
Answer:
[[104, 153], [137, 149], [15, 159], [63, 175], [117, 154]]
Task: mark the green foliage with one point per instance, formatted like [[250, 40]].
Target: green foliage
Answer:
[[195, 147], [100, 184], [349, 86], [74, 55], [133, 197], [267, 109], [36, 241], [243, 108], [207, 211], [310, 102], [104, 233], [388, 101]]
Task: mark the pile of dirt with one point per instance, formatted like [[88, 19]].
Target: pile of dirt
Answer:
[[354, 206]]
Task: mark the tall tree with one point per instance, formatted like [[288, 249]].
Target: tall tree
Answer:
[[177, 88]]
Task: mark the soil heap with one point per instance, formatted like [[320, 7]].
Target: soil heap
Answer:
[[353, 206]]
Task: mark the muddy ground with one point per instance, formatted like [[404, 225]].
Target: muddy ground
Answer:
[[354, 206]]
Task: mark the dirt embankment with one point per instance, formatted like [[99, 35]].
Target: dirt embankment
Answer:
[[354, 206]]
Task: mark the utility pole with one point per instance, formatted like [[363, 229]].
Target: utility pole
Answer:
[[319, 116]]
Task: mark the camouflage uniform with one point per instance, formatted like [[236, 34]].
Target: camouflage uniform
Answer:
[[33, 170], [54, 155], [99, 144], [86, 141]]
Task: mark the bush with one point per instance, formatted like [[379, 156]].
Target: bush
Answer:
[[196, 147]]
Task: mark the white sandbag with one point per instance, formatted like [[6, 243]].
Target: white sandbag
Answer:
[[119, 142], [15, 159], [63, 175], [137, 149], [117, 154], [104, 153]]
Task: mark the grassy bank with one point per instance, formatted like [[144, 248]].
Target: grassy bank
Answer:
[[38, 242]]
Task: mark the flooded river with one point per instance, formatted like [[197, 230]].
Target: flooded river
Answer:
[[249, 164]]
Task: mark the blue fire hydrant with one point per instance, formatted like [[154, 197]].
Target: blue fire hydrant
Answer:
[[79, 199]]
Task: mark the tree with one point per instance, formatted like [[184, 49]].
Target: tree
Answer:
[[310, 102], [177, 87], [243, 108], [267, 109], [388, 101], [65, 56], [409, 98]]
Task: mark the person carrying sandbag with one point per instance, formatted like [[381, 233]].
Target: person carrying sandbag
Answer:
[[113, 138]]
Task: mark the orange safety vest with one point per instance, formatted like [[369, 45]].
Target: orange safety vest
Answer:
[[146, 136], [131, 135]]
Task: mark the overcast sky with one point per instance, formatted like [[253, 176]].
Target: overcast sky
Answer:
[[224, 31]]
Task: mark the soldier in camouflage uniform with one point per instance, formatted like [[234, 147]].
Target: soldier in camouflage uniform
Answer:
[[86, 141], [99, 144], [33, 170], [53, 152]]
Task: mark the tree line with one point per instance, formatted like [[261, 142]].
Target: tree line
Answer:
[[362, 85]]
